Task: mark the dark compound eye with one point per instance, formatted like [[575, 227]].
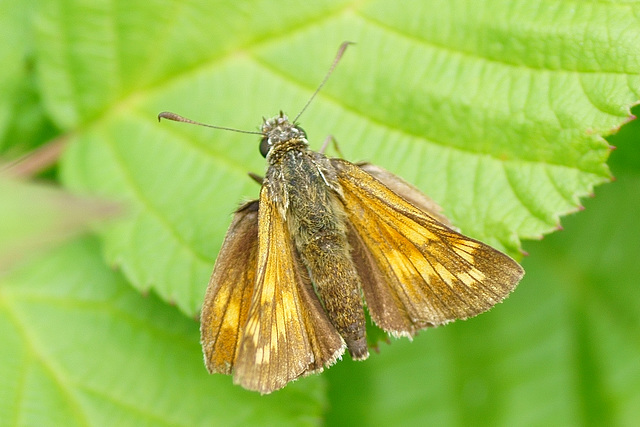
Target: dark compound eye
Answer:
[[304, 134], [264, 146]]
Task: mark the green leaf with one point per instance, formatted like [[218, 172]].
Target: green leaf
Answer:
[[85, 349], [499, 120], [496, 109]]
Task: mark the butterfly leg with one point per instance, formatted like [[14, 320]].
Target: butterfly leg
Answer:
[[257, 178], [325, 144]]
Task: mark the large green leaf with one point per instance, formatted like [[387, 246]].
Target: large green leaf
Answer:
[[496, 109], [490, 109]]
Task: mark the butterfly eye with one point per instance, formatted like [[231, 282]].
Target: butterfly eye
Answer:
[[304, 134], [264, 146]]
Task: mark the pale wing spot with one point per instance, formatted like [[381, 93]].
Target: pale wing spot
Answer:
[[223, 294], [268, 289], [231, 315], [424, 267], [466, 251], [252, 330], [445, 274], [477, 275], [471, 245], [288, 307], [466, 279], [284, 318], [262, 355], [274, 342]]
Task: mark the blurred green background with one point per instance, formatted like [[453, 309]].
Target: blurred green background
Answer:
[[494, 109]]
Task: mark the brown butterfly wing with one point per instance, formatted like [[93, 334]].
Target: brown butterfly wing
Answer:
[[407, 191], [226, 304], [416, 271], [287, 334]]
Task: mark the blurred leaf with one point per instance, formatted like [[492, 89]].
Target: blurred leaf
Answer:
[[85, 349], [35, 217], [23, 122]]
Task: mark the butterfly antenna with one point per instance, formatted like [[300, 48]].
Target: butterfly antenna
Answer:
[[341, 50], [178, 118]]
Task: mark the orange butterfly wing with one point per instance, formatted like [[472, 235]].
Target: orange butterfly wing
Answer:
[[287, 334], [226, 303], [417, 272]]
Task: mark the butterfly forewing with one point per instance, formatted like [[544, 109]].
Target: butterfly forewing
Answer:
[[426, 273], [287, 334]]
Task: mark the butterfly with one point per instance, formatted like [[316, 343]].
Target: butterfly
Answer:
[[325, 239]]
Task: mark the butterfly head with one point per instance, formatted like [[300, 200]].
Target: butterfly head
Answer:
[[280, 135]]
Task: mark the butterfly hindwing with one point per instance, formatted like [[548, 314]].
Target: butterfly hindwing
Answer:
[[226, 304], [406, 190]]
